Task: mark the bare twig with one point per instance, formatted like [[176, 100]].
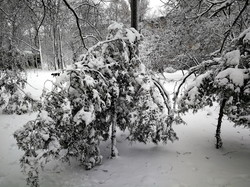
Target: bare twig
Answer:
[[93, 27], [6, 14], [206, 11], [91, 36], [86, 4], [34, 48], [27, 95], [193, 58], [183, 81]]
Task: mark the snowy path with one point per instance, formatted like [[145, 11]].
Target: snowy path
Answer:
[[192, 161]]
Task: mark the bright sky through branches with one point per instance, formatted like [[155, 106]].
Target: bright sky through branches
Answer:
[[155, 6]]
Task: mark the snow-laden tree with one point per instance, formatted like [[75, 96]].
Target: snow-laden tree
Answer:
[[225, 80], [109, 87]]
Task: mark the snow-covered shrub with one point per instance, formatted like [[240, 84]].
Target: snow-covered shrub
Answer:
[[225, 80], [108, 87], [12, 97], [13, 80]]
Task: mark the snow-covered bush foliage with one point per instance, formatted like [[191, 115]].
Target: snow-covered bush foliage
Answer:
[[225, 80], [12, 82], [109, 87]]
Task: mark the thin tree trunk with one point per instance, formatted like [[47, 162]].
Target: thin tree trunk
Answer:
[[114, 151], [40, 52], [36, 64], [60, 48], [182, 71], [218, 129], [55, 49], [116, 12]]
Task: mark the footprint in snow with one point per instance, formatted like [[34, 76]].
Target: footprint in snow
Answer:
[[187, 153]]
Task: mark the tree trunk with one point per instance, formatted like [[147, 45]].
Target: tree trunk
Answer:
[[55, 49], [114, 151], [116, 11], [134, 14], [218, 130], [40, 52]]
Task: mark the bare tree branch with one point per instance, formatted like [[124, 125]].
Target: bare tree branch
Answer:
[[222, 7], [227, 33], [163, 94], [44, 14], [93, 27], [77, 23]]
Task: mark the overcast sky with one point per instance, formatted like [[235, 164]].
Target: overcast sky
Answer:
[[155, 6]]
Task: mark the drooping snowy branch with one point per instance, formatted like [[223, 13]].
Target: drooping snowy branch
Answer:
[[108, 89]]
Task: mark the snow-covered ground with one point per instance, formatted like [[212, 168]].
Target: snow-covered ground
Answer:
[[191, 161]]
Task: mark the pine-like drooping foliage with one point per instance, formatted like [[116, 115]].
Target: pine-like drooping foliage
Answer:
[[225, 80], [109, 86], [12, 83]]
